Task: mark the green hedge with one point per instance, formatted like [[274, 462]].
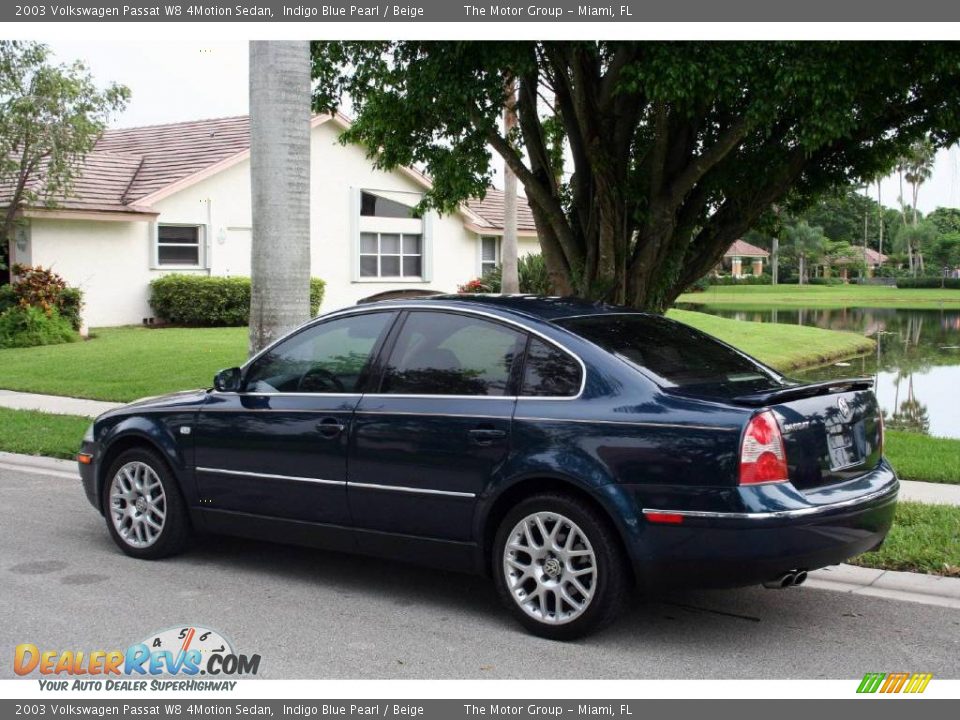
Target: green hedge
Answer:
[[211, 301], [745, 280], [929, 282], [825, 281]]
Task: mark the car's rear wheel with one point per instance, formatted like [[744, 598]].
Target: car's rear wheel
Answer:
[[145, 514], [559, 567]]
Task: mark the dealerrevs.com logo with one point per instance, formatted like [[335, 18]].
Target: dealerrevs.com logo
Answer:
[[187, 652]]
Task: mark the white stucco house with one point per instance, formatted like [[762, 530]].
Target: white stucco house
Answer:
[[176, 198]]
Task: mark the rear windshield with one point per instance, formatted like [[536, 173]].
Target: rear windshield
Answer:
[[675, 354]]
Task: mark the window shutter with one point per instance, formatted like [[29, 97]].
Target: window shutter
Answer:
[[354, 240], [426, 270]]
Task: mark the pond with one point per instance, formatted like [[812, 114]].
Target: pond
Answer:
[[916, 367]]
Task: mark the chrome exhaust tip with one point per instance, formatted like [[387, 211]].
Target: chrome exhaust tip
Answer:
[[784, 581], [800, 577]]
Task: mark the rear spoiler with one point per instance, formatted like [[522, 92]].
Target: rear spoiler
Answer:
[[795, 392]]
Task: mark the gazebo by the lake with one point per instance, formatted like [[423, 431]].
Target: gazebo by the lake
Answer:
[[741, 253]]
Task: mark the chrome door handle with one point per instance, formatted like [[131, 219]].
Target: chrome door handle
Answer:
[[485, 436], [330, 427]]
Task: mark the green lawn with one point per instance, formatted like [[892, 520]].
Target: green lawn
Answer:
[[37, 433], [824, 296], [127, 363], [924, 538], [785, 347], [921, 457]]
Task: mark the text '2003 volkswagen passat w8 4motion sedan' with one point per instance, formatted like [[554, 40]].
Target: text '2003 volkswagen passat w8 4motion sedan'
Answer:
[[569, 450]]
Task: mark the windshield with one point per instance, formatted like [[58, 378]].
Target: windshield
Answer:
[[676, 355]]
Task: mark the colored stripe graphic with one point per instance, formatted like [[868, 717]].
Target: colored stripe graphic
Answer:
[[894, 682]]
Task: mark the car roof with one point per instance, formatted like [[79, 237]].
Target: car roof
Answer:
[[535, 306]]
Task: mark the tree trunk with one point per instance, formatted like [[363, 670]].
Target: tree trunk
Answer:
[[880, 211], [509, 278], [802, 270], [775, 261], [280, 186]]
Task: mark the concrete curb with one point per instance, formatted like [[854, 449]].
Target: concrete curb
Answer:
[[40, 465], [905, 586], [930, 493]]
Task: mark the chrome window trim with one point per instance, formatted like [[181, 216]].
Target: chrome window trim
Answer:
[[406, 489], [348, 312], [270, 476], [888, 489], [427, 413]]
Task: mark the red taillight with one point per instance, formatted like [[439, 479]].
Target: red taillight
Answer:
[[762, 455]]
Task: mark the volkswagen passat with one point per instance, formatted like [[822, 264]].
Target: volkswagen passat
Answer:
[[566, 449]]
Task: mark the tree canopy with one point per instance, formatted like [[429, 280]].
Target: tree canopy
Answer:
[[643, 161], [51, 116]]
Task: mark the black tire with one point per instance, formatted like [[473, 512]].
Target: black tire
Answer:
[[612, 580], [175, 532]]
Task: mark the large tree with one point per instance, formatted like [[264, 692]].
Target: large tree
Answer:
[[51, 116], [674, 149], [280, 183]]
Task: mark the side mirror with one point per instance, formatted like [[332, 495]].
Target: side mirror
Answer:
[[227, 380]]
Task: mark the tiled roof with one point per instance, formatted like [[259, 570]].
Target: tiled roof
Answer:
[[490, 208], [176, 151], [130, 164], [741, 248], [858, 252]]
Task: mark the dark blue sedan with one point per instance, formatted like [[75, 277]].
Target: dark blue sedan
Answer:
[[569, 450]]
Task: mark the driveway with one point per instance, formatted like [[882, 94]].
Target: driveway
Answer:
[[311, 614]]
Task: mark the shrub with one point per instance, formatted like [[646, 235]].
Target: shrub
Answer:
[[42, 288], [28, 326], [211, 301], [825, 281], [929, 282], [763, 279], [700, 285], [8, 297], [533, 276]]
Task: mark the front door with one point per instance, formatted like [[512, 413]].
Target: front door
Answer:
[[278, 448], [435, 431]]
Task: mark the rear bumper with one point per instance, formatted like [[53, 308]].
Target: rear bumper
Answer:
[[776, 530]]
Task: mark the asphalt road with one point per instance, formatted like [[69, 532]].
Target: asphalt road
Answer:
[[309, 614]]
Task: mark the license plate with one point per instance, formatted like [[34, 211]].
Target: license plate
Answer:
[[842, 447]]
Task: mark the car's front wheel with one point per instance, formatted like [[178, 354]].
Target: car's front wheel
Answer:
[[559, 567], [145, 514]]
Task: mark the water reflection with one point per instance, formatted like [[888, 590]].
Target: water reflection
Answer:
[[916, 366]]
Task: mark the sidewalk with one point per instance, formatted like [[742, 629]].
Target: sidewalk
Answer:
[[931, 493], [55, 404]]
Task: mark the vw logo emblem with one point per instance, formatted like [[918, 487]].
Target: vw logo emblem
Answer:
[[844, 408]]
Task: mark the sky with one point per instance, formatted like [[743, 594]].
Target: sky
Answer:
[[187, 80]]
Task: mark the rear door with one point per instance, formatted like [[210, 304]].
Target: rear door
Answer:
[[437, 428]]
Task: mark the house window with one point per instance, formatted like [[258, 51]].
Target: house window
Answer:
[[489, 254], [375, 206], [391, 255], [178, 245]]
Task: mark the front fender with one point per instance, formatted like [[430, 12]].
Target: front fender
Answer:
[[161, 432]]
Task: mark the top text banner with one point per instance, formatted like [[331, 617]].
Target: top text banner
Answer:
[[458, 11]]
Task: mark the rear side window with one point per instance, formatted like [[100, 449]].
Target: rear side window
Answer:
[[448, 354], [549, 372], [676, 354]]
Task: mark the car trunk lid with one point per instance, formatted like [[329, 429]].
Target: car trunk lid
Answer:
[[832, 432]]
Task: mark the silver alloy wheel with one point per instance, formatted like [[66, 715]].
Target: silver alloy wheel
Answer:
[[138, 506], [550, 568]]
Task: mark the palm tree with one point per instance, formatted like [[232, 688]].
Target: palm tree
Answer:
[[808, 243], [510, 282], [916, 167], [280, 187]]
